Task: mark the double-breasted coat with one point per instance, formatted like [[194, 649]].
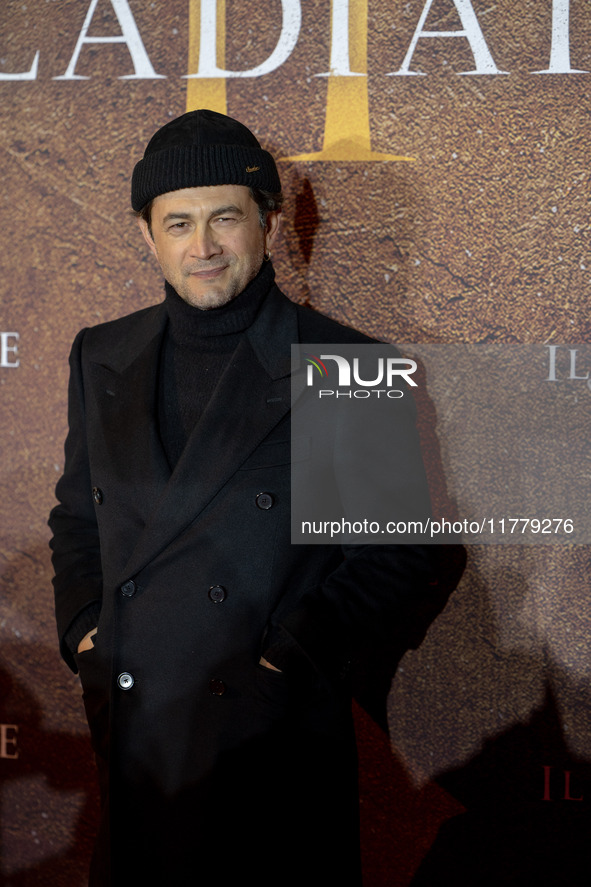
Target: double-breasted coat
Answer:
[[213, 768]]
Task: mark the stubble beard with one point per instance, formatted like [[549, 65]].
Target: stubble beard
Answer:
[[208, 300], [216, 297]]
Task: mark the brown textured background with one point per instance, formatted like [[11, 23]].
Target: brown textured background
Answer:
[[484, 238]]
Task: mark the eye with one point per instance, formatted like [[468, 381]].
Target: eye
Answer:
[[177, 227]]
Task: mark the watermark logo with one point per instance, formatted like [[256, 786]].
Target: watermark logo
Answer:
[[315, 362], [351, 380]]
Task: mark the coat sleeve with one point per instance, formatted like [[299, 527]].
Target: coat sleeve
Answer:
[[378, 594], [374, 592], [75, 542]]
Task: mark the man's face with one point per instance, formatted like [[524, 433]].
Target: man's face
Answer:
[[209, 241]]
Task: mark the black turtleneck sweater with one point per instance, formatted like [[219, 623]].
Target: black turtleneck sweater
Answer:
[[196, 349]]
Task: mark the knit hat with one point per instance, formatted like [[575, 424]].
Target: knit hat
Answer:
[[202, 148]]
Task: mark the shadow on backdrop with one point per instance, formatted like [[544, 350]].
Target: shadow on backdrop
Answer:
[[48, 794]]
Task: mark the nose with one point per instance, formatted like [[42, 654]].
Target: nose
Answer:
[[204, 244]]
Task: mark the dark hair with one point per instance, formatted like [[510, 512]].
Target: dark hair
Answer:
[[266, 201], [145, 213]]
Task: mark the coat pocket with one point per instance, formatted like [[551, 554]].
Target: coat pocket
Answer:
[[272, 692]]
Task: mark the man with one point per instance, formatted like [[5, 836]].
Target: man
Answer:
[[212, 652]]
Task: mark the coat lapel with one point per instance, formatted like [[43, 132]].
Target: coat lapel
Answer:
[[251, 398], [125, 394]]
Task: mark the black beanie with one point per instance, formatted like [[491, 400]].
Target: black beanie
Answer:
[[202, 148]]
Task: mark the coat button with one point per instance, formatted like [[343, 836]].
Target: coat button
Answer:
[[217, 687], [128, 588], [264, 501], [125, 680], [97, 495], [217, 594]]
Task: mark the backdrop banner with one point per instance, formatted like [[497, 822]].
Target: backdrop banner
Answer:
[[434, 157]]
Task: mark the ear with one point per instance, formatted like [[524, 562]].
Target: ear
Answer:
[[143, 225], [271, 229]]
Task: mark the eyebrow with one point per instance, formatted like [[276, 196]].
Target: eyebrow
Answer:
[[220, 211]]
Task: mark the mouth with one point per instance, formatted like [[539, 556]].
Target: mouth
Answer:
[[208, 273]]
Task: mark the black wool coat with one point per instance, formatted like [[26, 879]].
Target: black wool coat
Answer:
[[213, 769]]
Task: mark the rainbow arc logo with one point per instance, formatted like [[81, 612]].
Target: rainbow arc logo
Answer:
[[315, 362]]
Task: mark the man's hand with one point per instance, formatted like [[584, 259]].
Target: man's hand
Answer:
[[87, 642], [262, 661]]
